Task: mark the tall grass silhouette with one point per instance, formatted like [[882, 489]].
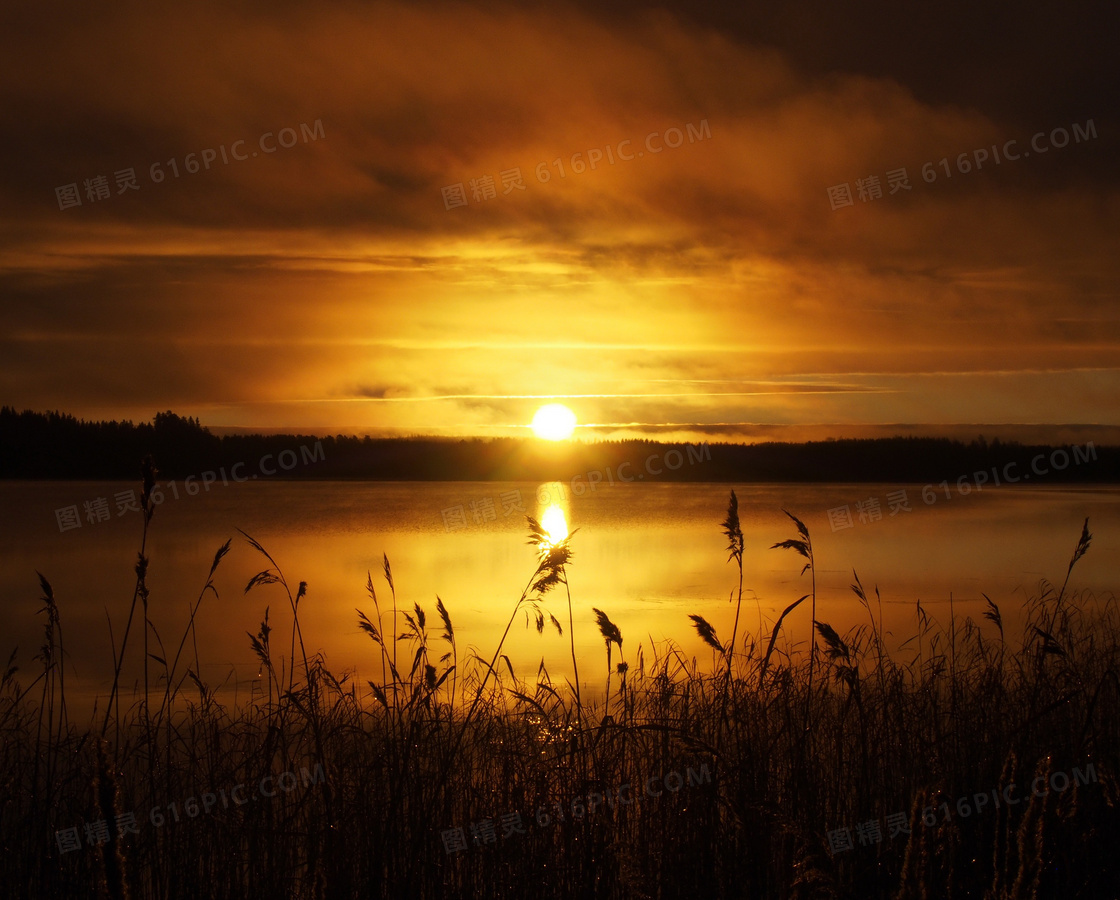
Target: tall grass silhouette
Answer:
[[787, 743]]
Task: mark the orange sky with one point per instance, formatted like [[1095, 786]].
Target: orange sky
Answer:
[[704, 289]]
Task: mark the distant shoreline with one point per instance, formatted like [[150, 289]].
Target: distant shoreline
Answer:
[[56, 447]]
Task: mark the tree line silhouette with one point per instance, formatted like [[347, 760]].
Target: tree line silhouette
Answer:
[[55, 445]]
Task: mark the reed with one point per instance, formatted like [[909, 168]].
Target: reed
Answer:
[[737, 772]]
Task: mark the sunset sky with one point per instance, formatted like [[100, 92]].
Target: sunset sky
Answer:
[[704, 289]]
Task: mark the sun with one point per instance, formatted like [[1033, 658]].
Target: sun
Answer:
[[554, 422]]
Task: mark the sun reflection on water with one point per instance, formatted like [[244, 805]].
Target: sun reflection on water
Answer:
[[555, 524], [552, 513]]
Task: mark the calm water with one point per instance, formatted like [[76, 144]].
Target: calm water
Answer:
[[647, 554]]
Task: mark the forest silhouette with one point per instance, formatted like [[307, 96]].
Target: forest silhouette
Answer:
[[55, 445]]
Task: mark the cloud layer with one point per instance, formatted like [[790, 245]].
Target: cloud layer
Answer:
[[706, 279]]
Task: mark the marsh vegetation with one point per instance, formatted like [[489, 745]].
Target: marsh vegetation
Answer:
[[451, 776]]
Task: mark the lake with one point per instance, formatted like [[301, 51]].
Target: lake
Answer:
[[647, 554]]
